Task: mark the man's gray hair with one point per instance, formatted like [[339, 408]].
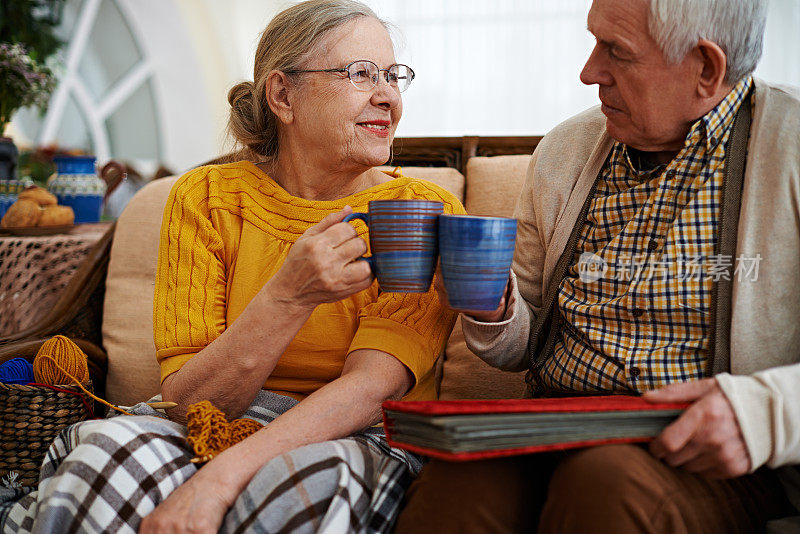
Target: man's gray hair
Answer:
[[737, 26]]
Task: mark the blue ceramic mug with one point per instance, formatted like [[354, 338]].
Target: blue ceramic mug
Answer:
[[476, 255], [402, 240]]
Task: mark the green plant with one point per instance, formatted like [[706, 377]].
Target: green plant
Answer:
[[23, 81], [32, 23], [27, 40], [37, 165]]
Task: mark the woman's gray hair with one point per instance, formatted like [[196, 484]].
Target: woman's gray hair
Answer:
[[737, 26], [290, 39]]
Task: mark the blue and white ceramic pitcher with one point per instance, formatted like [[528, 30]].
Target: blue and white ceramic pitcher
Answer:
[[78, 185]]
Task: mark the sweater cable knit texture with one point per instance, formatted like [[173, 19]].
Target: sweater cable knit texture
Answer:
[[227, 230]]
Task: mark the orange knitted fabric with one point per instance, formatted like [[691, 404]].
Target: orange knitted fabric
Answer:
[[227, 230], [210, 433]]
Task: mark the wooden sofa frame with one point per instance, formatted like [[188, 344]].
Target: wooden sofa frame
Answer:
[[78, 314]]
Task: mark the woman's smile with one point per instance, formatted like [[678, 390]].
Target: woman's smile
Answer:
[[377, 127]]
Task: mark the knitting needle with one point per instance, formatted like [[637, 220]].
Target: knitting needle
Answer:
[[162, 405]]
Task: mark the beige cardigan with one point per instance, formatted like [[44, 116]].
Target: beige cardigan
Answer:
[[764, 384]]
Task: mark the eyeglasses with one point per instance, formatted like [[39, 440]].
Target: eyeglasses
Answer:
[[364, 74]]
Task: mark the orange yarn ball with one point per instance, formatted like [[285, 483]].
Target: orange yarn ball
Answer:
[[62, 351], [210, 433]]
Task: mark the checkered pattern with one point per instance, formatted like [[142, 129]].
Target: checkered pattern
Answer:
[[645, 322], [105, 476], [325, 487]]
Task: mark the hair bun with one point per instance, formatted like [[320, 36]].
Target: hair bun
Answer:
[[239, 91]]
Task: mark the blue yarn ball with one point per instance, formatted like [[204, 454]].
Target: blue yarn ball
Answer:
[[16, 371]]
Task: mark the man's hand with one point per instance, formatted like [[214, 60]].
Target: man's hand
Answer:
[[706, 438]]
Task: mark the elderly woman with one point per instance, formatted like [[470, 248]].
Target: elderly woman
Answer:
[[262, 308]]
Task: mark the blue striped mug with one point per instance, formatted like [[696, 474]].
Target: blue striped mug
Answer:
[[476, 255], [403, 243]]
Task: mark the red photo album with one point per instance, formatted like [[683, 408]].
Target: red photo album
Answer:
[[475, 429]]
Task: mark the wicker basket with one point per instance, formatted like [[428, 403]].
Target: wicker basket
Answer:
[[30, 418]]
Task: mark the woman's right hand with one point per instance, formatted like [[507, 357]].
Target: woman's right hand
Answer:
[[321, 266]]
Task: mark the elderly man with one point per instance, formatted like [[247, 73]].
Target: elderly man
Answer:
[[659, 243]]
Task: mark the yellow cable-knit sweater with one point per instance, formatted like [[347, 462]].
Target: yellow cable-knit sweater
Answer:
[[227, 230]]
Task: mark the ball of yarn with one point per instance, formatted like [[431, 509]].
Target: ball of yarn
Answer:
[[58, 361], [16, 371]]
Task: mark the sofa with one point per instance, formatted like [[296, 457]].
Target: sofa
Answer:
[[108, 306]]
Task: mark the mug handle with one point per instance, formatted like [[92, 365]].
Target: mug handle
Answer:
[[111, 178], [363, 217]]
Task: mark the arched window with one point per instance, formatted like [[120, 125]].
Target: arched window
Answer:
[[104, 103]]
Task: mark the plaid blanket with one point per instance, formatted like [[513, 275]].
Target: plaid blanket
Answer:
[[106, 475]]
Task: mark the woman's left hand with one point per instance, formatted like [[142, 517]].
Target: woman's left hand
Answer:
[[196, 507]]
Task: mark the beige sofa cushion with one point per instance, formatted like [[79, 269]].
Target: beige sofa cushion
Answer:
[[133, 373], [493, 185], [445, 177]]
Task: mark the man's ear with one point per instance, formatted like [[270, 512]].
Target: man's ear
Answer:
[[714, 68], [278, 90]]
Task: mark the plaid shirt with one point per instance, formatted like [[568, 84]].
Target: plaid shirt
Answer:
[[636, 302]]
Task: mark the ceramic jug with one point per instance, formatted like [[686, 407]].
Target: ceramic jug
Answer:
[[78, 185]]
